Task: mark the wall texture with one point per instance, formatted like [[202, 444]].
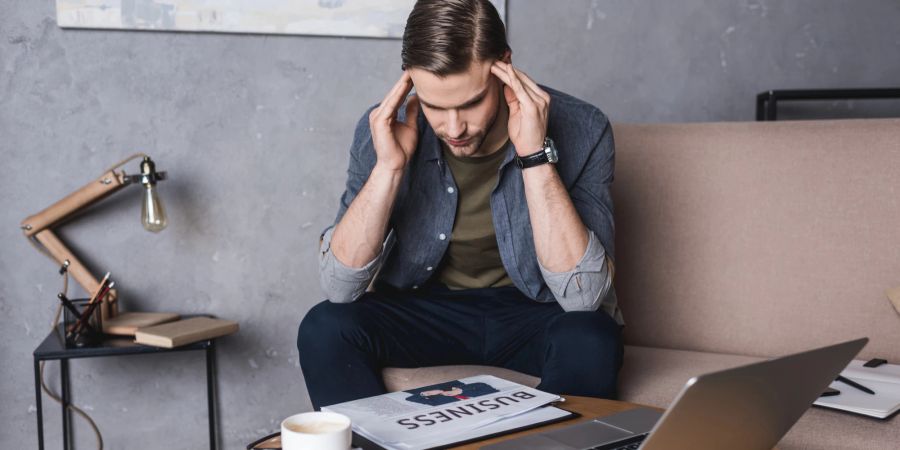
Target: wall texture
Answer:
[[254, 132]]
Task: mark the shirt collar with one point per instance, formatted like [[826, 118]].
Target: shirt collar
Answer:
[[431, 147]]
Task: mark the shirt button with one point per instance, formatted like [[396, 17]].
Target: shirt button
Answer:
[[429, 268], [442, 236], [450, 189]]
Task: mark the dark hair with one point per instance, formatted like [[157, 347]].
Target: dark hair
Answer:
[[445, 36]]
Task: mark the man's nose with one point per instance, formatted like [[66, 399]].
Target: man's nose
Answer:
[[456, 127]]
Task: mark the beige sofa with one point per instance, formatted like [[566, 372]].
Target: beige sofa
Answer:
[[741, 241]]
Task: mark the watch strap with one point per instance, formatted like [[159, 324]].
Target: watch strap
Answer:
[[537, 158], [534, 159]]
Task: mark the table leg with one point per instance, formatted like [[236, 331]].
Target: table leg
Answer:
[[772, 107], [211, 392], [37, 401], [64, 382]]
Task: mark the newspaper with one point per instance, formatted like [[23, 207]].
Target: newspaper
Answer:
[[442, 413]]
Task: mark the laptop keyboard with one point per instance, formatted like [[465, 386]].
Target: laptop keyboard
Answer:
[[631, 443]]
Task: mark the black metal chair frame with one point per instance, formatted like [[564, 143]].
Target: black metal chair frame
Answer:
[[767, 102]]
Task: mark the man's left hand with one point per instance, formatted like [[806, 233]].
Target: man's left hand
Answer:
[[529, 107]]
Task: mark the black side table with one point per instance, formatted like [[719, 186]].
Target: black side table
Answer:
[[54, 347]]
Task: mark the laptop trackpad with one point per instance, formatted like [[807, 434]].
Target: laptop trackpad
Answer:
[[531, 442], [638, 421], [587, 434], [607, 429]]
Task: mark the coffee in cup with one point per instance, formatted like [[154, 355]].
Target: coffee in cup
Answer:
[[316, 431]]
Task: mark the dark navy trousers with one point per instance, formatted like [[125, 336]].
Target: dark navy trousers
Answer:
[[344, 346]]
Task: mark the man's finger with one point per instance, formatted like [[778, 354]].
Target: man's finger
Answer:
[[511, 99], [412, 112], [519, 88], [404, 77], [392, 101], [500, 72], [502, 69], [538, 100], [534, 87], [502, 65]]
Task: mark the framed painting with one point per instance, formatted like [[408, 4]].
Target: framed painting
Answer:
[[358, 18]]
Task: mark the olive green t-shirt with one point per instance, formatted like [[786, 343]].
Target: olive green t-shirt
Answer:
[[473, 259]]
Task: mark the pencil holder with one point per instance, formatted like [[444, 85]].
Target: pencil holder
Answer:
[[82, 332]]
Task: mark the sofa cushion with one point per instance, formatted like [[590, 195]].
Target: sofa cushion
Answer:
[[649, 376], [397, 379], [758, 238], [653, 376]]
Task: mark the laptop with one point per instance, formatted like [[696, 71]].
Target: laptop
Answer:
[[749, 407]]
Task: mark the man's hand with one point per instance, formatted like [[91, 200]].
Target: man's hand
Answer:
[[529, 107], [395, 142]]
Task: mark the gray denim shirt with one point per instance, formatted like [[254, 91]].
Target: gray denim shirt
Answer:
[[425, 209]]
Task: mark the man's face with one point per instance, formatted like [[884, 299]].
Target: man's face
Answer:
[[461, 108], [452, 392]]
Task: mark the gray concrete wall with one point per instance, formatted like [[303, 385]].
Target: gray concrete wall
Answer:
[[254, 132]]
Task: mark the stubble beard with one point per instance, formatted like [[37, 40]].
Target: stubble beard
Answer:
[[477, 140]]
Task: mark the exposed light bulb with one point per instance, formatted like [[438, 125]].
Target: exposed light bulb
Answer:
[[153, 215]]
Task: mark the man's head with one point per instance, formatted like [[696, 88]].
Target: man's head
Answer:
[[452, 392], [448, 49]]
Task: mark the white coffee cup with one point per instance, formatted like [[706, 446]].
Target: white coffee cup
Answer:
[[316, 431]]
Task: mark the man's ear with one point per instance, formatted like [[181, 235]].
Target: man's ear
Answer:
[[507, 56]]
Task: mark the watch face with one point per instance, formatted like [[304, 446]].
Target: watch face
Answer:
[[550, 149]]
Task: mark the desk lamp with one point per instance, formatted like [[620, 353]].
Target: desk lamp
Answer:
[[39, 227]]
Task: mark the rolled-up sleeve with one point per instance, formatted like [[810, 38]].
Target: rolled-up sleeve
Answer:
[[342, 283], [589, 285]]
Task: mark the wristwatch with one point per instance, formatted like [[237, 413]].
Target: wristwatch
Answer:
[[545, 155]]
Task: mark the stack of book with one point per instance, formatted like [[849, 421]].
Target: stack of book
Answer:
[[183, 332], [450, 413]]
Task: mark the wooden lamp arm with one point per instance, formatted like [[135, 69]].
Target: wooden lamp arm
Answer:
[[76, 269], [108, 183], [61, 253], [39, 226]]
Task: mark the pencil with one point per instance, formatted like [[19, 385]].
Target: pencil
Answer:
[[850, 382], [100, 287], [92, 304], [68, 304]]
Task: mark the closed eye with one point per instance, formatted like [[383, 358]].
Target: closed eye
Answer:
[[467, 105]]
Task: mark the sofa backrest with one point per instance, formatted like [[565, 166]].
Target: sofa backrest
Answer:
[[759, 238]]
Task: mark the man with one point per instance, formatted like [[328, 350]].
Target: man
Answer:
[[449, 392], [492, 244]]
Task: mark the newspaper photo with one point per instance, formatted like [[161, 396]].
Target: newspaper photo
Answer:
[[418, 418]]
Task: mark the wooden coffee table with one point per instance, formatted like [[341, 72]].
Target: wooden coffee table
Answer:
[[588, 407]]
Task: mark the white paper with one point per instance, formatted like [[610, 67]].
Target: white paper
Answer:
[[883, 380], [418, 418], [539, 415]]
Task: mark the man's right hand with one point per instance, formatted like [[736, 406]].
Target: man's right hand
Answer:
[[395, 141]]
